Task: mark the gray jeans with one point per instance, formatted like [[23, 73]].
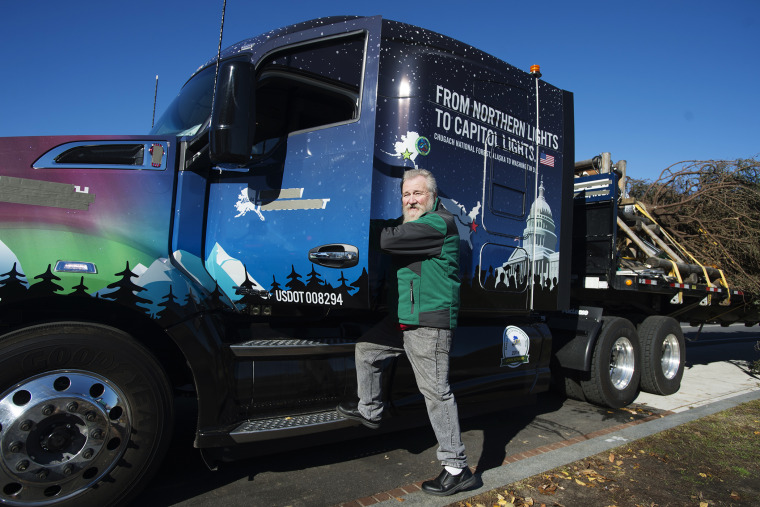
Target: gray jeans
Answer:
[[428, 351]]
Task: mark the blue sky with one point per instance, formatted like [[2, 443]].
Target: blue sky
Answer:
[[655, 82]]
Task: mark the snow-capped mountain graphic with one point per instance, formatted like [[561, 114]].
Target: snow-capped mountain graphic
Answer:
[[228, 271], [7, 261]]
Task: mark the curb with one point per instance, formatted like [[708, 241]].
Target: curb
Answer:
[[551, 456]]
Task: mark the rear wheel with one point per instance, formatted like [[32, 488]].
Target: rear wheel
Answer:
[[85, 415], [663, 355], [615, 372]]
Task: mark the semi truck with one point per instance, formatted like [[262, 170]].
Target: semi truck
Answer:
[[225, 257]]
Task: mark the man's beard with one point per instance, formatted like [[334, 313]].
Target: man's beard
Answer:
[[411, 214]]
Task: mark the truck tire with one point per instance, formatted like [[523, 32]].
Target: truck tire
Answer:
[[615, 372], [85, 415], [663, 354], [568, 384]]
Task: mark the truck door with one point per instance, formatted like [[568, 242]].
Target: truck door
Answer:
[[293, 227]]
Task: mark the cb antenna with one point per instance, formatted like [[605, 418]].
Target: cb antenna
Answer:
[[218, 56], [155, 96]]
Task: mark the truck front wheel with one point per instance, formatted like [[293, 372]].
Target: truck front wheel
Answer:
[[85, 415], [663, 351], [615, 373]]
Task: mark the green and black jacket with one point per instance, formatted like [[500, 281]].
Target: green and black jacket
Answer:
[[425, 256]]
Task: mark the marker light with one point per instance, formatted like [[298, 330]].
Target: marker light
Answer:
[[628, 282], [535, 70], [75, 267]]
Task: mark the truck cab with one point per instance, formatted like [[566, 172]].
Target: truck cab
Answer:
[[227, 253]]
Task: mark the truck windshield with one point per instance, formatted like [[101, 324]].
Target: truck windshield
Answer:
[[190, 109]]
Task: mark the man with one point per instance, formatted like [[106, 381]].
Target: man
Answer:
[[424, 245]]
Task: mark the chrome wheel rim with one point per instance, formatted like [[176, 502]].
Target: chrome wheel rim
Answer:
[[670, 358], [60, 433], [622, 363]]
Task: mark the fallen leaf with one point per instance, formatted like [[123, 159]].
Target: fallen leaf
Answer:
[[735, 496], [547, 489], [702, 474], [580, 482], [612, 458], [704, 504]]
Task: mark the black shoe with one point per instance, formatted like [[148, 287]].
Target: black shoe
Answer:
[[350, 410], [446, 484]]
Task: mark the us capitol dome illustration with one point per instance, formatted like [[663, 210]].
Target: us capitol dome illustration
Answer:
[[540, 224]]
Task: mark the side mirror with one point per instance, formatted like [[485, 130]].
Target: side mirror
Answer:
[[233, 118]]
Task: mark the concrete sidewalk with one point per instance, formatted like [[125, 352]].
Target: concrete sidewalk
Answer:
[[705, 384], [705, 390]]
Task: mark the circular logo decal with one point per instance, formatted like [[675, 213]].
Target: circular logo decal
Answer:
[[423, 146], [516, 347]]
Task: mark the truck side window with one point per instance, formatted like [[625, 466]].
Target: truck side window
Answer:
[[308, 87]]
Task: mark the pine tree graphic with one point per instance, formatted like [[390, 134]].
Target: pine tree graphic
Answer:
[[275, 286], [190, 299], [294, 283], [169, 305], [215, 298], [45, 287], [126, 291], [80, 289], [362, 287], [13, 286], [314, 282], [343, 289], [247, 289]]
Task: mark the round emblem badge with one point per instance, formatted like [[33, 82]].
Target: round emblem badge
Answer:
[[516, 347], [423, 146]]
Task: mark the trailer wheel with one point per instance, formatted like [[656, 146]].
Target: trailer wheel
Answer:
[[614, 377], [663, 351], [85, 415]]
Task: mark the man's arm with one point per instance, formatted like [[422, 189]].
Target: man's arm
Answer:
[[376, 227], [422, 237]]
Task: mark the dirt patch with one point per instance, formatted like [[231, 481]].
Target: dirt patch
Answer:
[[713, 461]]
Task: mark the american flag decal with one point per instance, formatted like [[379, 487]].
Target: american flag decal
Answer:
[[546, 160]]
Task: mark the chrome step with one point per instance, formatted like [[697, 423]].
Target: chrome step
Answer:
[[292, 346], [286, 426]]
